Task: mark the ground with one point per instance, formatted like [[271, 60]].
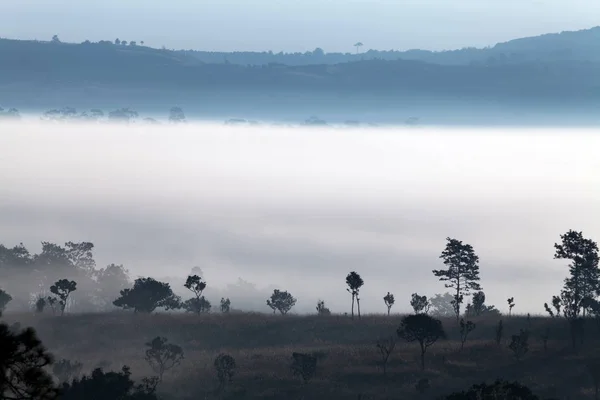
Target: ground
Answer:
[[349, 362]]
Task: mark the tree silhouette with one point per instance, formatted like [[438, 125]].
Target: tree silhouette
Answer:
[[386, 347], [100, 385], [465, 329], [176, 115], [511, 304], [479, 303], [420, 304], [23, 362], [421, 328], [497, 390], [354, 282], [520, 344], [389, 301], [441, 305], [225, 305], [63, 289], [65, 370], [5, 298], [281, 301], [322, 309], [463, 271], [225, 366], [147, 295], [358, 45], [163, 356], [198, 304], [55, 39]]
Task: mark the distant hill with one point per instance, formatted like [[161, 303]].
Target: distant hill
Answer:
[[583, 45], [54, 74]]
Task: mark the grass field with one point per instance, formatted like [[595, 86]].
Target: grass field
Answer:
[[349, 362]]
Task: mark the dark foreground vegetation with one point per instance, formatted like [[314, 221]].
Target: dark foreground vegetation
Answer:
[[444, 346]]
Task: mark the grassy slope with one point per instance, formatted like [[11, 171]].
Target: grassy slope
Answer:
[[262, 346]]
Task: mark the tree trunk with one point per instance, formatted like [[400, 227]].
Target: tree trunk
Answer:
[[423, 348], [352, 306], [388, 311], [358, 306]]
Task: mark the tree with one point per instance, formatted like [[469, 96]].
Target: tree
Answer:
[[499, 332], [358, 45], [389, 301], [281, 301], [196, 285], [147, 295], [100, 385], [23, 363], [5, 298], [386, 347], [176, 115], [478, 303], [441, 305], [125, 115], [163, 356], [520, 344], [420, 304], [65, 370], [497, 390], [225, 305], [511, 304], [462, 274], [117, 42], [55, 39], [63, 289], [322, 309], [354, 282], [225, 366], [584, 279], [421, 328], [465, 329], [109, 282], [81, 255]]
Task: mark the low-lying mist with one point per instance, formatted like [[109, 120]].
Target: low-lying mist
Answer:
[[299, 208]]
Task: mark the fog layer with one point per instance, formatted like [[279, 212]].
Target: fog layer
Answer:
[[300, 208]]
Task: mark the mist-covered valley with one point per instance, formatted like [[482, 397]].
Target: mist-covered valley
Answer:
[[299, 208]]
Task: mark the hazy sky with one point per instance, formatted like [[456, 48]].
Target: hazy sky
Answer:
[[296, 25], [299, 208]]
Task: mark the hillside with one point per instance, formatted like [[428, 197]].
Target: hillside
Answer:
[[583, 45]]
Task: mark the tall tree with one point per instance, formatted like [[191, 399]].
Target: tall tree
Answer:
[[63, 289], [422, 328], [147, 295], [584, 275], [389, 301], [462, 273], [281, 301], [354, 282]]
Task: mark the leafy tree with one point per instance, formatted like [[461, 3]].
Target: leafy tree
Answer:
[[5, 298], [225, 366], [465, 329], [100, 385], [81, 255], [63, 289], [497, 390], [163, 356], [389, 301], [65, 370], [511, 304], [304, 365], [584, 279], [23, 362], [147, 295], [40, 305], [358, 45], [117, 42], [322, 309], [109, 283], [125, 115], [421, 328], [386, 347], [463, 271], [354, 282], [420, 304], [520, 344], [176, 115], [281, 301], [225, 305], [478, 303], [441, 305], [198, 304], [55, 39]]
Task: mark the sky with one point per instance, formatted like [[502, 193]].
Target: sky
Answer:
[[296, 25], [298, 209]]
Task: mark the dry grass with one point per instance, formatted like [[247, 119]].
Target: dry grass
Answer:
[[262, 346]]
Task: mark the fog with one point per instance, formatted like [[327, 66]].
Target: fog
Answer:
[[298, 208]]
